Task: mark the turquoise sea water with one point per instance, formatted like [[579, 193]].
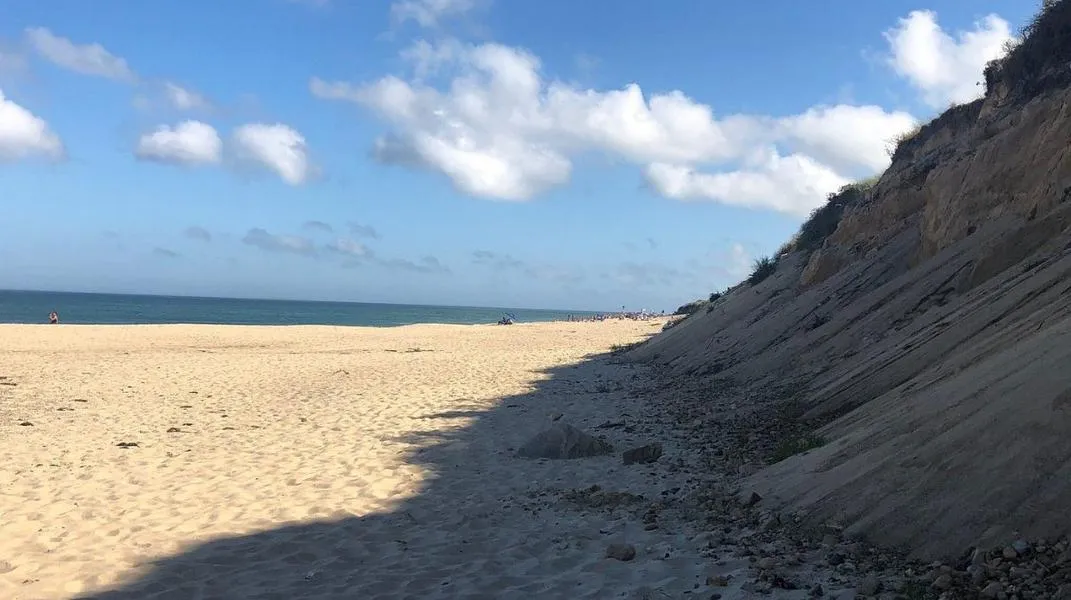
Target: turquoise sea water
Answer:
[[33, 307]]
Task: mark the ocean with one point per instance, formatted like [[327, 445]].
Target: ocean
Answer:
[[34, 307]]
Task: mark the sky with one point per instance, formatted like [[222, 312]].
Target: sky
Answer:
[[551, 154]]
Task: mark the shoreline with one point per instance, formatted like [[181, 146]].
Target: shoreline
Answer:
[[658, 319]]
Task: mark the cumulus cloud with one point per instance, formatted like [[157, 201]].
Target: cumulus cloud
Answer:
[[318, 226], [847, 138], [357, 254], [273, 242], [946, 68], [427, 264], [350, 248], [498, 129], [648, 274], [188, 143], [791, 184], [25, 135], [181, 98], [363, 231], [198, 233], [86, 59], [170, 96], [429, 13], [277, 148], [498, 261], [506, 263]]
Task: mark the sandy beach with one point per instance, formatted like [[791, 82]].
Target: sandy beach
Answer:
[[314, 462]]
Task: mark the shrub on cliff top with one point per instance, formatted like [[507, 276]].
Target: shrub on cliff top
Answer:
[[690, 308], [1039, 60], [824, 219], [763, 268]]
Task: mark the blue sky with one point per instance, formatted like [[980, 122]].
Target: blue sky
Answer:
[[550, 154]]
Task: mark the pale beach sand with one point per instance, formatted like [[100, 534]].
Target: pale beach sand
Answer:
[[317, 462]]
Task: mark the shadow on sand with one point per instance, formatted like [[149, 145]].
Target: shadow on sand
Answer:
[[453, 539]]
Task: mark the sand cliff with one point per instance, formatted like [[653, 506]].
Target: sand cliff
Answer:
[[926, 340]]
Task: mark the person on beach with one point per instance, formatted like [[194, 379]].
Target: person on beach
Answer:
[[53, 317]]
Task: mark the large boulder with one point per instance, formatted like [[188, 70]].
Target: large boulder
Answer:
[[562, 440]]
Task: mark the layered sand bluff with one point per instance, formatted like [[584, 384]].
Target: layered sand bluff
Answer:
[[923, 334], [312, 462]]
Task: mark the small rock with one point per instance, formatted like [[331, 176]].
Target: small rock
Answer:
[[870, 585], [943, 582], [767, 563], [127, 444], [555, 416], [173, 430], [754, 499], [718, 581], [643, 454], [622, 552], [26, 424], [993, 590], [563, 441], [1010, 553], [1021, 547], [817, 591]]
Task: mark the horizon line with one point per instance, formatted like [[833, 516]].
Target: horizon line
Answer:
[[278, 299]]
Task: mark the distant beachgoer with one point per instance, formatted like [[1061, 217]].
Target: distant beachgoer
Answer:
[[53, 317]]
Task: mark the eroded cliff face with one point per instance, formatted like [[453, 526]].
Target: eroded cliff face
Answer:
[[929, 337]]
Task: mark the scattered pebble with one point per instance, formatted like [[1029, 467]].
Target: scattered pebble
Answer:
[[622, 552]]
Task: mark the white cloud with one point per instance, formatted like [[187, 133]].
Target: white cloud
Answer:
[[846, 137], [276, 147], [348, 247], [188, 143], [429, 13], [498, 129], [945, 68], [276, 242], [23, 134], [182, 98], [793, 184], [87, 59]]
